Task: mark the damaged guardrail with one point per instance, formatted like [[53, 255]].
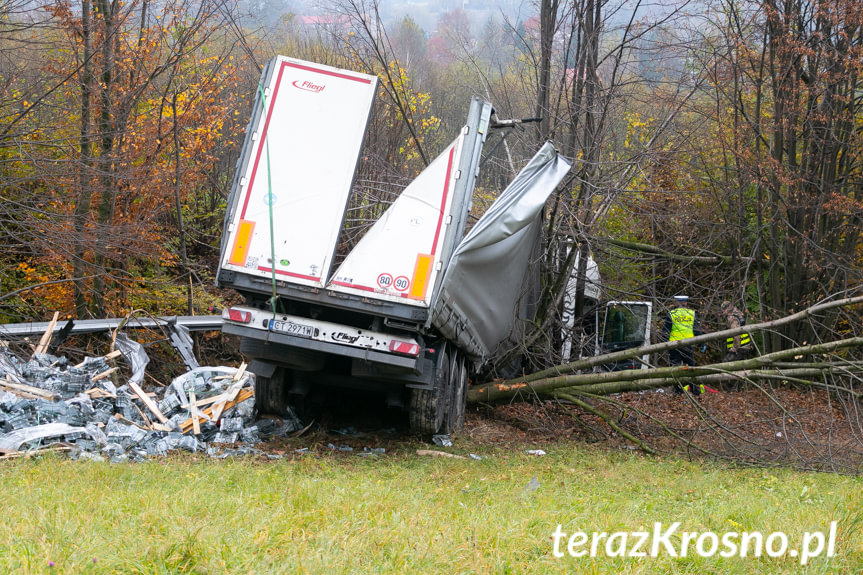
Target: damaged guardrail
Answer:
[[176, 328]]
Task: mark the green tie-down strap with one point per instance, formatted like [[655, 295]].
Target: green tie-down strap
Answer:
[[266, 144]]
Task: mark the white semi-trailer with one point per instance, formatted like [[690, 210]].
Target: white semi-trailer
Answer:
[[416, 304]]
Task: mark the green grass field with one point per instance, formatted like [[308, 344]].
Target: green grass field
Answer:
[[339, 513]]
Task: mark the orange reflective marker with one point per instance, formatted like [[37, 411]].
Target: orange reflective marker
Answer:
[[242, 243], [422, 271]]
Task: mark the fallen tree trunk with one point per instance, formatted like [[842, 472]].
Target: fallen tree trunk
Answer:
[[546, 381], [712, 260], [656, 377], [796, 375]]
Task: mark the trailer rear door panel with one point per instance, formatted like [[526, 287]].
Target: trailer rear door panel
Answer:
[[299, 164], [399, 257]]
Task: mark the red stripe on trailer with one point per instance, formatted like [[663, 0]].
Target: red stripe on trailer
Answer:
[[355, 286], [261, 141], [327, 72], [270, 113], [443, 201], [292, 274]]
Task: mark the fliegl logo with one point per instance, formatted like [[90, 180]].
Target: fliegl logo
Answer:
[[308, 86]]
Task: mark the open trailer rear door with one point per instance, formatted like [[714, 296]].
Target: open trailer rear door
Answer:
[[399, 257], [296, 171], [403, 256]]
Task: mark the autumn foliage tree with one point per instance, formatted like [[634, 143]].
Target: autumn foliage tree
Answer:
[[787, 78], [143, 102]]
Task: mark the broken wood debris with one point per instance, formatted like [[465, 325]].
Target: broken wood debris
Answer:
[[147, 401], [45, 340], [207, 414], [46, 401], [98, 393], [104, 374], [113, 355], [193, 413], [29, 390], [435, 453]]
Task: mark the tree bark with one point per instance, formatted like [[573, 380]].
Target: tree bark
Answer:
[[85, 191], [655, 377], [557, 377]]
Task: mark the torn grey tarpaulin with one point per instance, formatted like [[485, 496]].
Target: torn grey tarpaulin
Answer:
[[134, 354]]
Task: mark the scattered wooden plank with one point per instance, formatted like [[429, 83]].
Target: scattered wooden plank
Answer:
[[433, 453], [218, 409], [45, 341], [23, 394], [209, 400], [99, 393], [193, 413], [119, 417], [229, 395], [43, 393], [205, 401], [242, 396], [35, 452], [299, 432], [104, 374], [113, 355], [151, 405], [143, 416]]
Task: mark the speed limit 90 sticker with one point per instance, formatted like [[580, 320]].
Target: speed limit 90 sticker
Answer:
[[402, 283]]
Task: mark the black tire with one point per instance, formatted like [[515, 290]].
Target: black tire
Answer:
[[459, 396], [428, 408], [271, 393]]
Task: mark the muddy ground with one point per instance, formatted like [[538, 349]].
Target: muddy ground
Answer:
[[782, 425], [809, 429]]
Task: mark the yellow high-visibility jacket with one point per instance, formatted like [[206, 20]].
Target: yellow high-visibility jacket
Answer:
[[682, 323]]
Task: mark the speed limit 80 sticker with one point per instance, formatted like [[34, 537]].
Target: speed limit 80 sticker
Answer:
[[385, 281]]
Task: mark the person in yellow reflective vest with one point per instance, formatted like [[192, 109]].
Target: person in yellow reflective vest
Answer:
[[682, 323], [740, 346]]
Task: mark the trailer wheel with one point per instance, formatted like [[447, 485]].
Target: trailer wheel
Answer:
[[271, 393], [428, 409], [458, 403]]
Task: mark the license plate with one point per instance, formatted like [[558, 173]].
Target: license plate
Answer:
[[291, 328]]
